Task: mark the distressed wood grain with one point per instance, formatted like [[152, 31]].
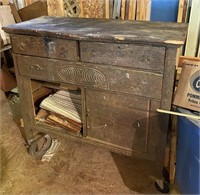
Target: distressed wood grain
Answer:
[[45, 47], [126, 55], [125, 70], [103, 30]]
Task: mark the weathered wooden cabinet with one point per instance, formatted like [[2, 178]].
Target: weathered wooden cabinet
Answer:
[[125, 70]]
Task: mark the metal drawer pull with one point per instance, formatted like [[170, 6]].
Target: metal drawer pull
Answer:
[[36, 67]]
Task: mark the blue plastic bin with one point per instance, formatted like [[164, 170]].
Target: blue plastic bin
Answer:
[[188, 154], [164, 10]]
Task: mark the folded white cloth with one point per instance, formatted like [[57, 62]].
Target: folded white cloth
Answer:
[[65, 103]]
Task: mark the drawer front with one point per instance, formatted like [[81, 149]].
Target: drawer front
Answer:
[[127, 55], [45, 47], [37, 68], [125, 121], [110, 78], [95, 76]]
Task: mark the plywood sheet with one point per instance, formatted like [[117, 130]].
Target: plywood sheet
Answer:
[[6, 18], [32, 11], [132, 10], [180, 10], [55, 7], [143, 9], [5, 2], [107, 8], [28, 2], [93, 8]]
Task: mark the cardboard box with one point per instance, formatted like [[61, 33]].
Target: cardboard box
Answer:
[[7, 80], [188, 90]]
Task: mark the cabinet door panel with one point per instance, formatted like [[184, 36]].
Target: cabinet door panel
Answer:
[[125, 121]]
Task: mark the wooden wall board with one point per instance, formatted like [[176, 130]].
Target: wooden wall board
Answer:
[[183, 11], [81, 8], [187, 11], [28, 2], [116, 9], [107, 9], [193, 30], [15, 12], [32, 11], [148, 10], [6, 18], [180, 10], [132, 10], [93, 8], [111, 2], [123, 9], [126, 8], [4, 36], [55, 7], [5, 2], [143, 10], [20, 4], [15, 2]]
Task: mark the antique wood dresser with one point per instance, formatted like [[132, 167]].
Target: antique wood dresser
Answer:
[[124, 70]]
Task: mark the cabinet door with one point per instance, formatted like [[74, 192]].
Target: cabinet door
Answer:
[[124, 121]]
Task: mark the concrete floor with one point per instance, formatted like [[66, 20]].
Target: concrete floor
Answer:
[[76, 168]]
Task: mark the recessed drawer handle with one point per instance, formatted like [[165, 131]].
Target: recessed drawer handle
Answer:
[[63, 55], [121, 47], [146, 59], [36, 67], [22, 46], [88, 113]]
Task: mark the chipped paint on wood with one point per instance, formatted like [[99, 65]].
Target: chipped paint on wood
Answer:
[[174, 42]]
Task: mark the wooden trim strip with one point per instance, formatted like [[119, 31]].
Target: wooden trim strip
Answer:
[[178, 114], [107, 9], [180, 10]]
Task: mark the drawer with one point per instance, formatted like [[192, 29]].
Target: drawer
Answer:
[[45, 47], [123, 120], [36, 68], [87, 75], [111, 78], [126, 55]]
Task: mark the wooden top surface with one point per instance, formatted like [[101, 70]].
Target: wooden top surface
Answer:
[[103, 29]]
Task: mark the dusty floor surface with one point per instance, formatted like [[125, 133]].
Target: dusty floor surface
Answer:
[[76, 168]]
